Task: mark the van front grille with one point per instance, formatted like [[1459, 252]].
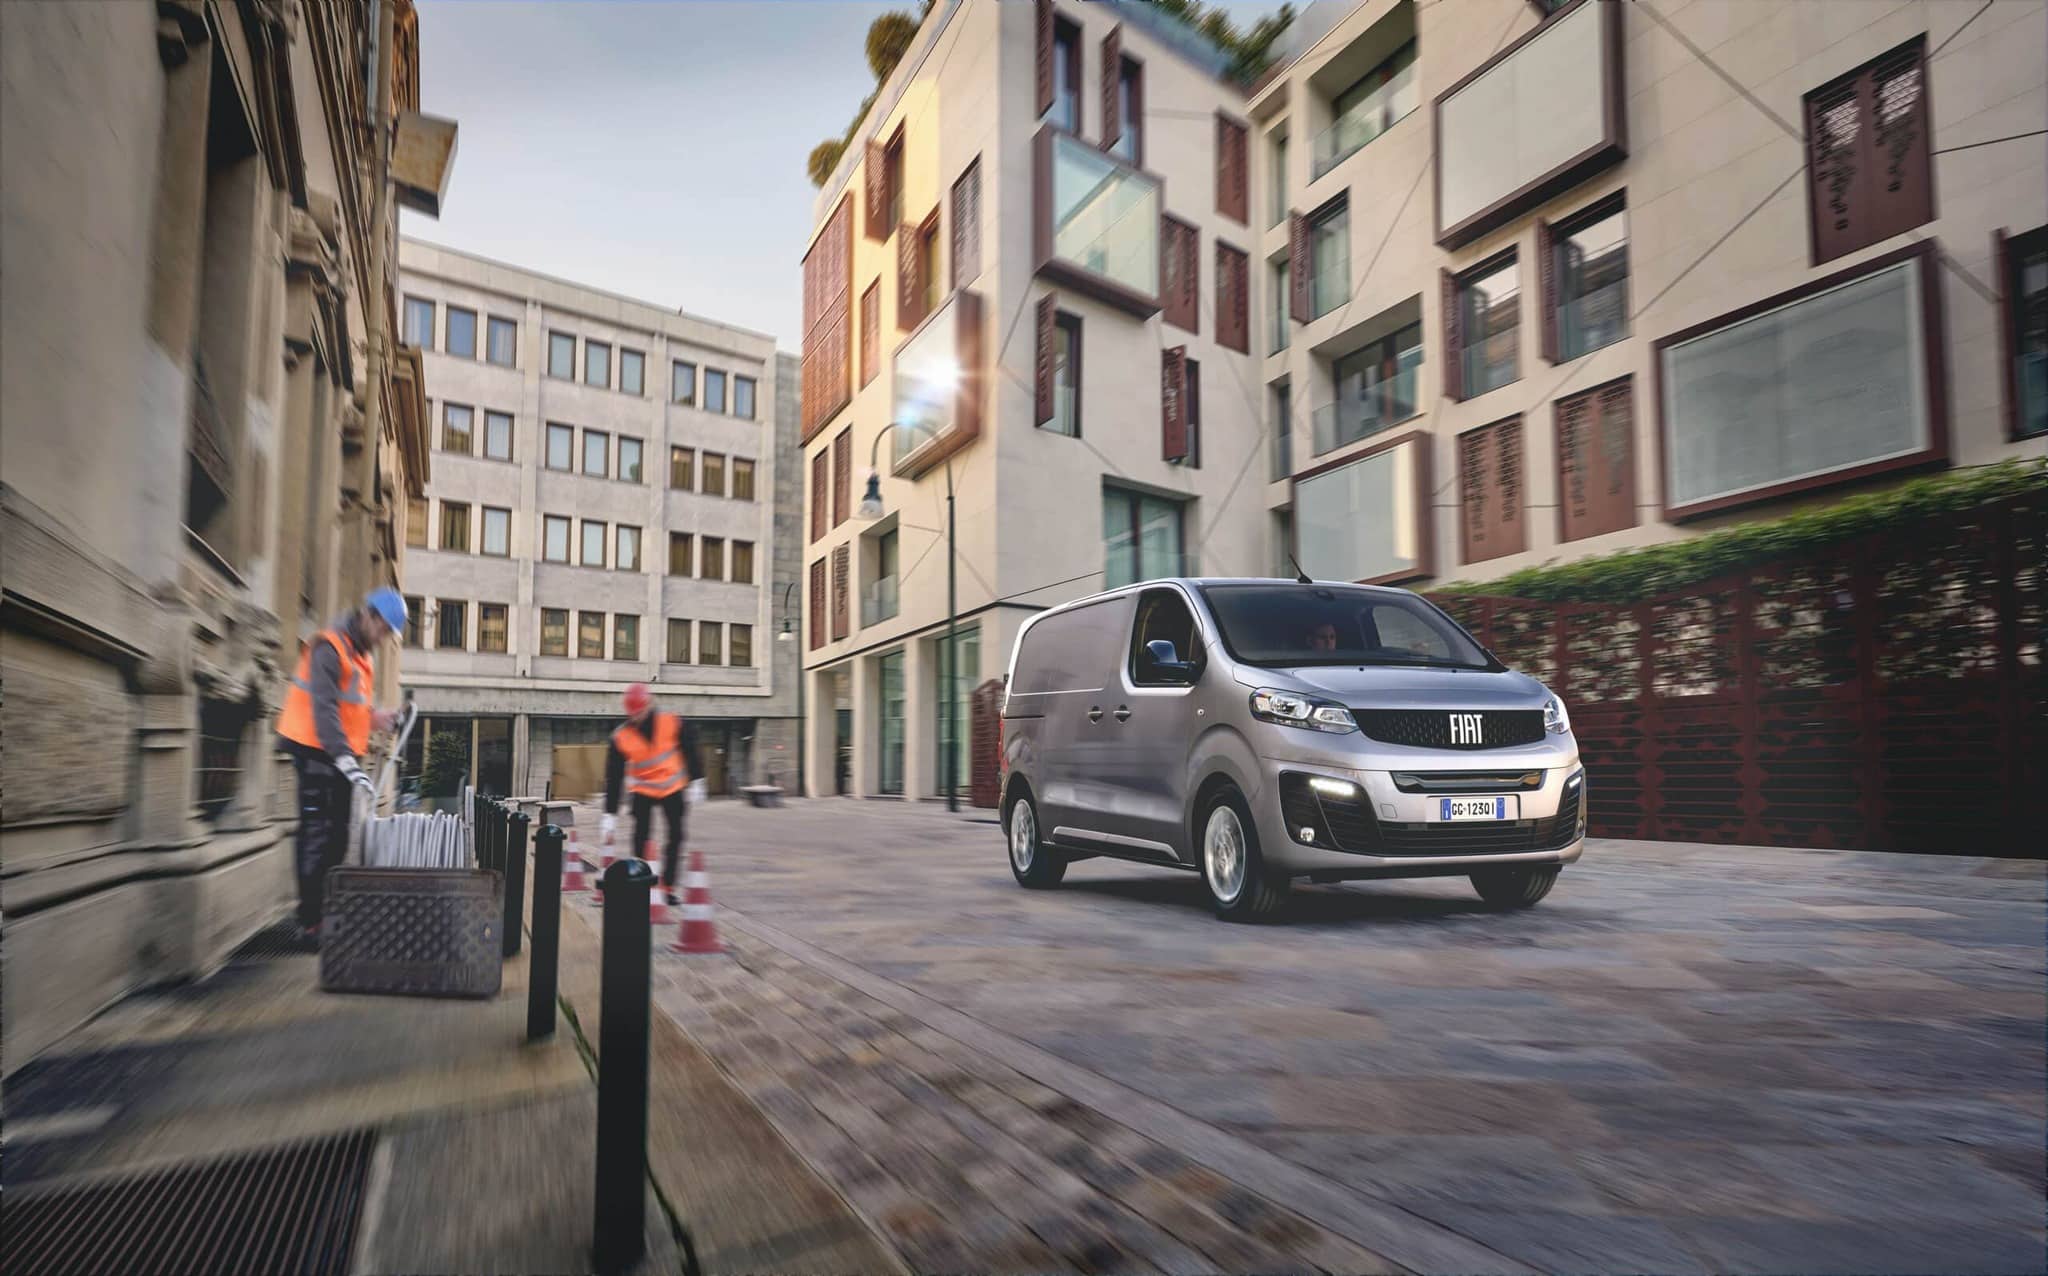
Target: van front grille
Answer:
[[1347, 823], [1432, 728]]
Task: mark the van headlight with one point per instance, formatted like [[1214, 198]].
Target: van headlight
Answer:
[[1555, 718], [1292, 710]]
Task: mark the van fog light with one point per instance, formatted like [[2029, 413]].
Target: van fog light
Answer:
[[1335, 788], [1307, 834]]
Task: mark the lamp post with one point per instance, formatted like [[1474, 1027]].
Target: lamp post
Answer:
[[869, 510], [788, 634]]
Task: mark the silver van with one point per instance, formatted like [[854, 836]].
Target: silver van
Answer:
[[1258, 731]]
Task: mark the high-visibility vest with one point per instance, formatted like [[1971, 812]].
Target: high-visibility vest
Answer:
[[654, 767], [352, 696]]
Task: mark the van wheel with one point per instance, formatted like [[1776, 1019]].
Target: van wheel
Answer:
[[1514, 887], [1032, 862], [1232, 867]]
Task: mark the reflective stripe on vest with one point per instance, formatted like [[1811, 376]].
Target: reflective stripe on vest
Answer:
[[654, 768], [352, 696]]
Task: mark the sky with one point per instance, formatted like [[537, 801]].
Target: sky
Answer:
[[653, 148]]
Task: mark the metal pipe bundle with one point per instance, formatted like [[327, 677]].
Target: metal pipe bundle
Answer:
[[416, 840]]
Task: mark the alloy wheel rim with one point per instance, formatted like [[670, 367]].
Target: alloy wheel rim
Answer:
[[1223, 854], [1023, 832]]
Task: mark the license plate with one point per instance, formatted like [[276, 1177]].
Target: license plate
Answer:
[[1477, 808]]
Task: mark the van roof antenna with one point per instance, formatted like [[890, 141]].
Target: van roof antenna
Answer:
[[1300, 577]]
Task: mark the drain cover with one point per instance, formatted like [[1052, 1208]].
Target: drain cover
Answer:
[[279, 940], [292, 1208]]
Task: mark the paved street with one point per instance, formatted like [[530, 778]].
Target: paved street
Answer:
[[1688, 1058]]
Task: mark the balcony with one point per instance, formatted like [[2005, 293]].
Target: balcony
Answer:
[[937, 387], [1591, 320], [1096, 226], [878, 602], [1380, 404], [1366, 119], [1330, 286]]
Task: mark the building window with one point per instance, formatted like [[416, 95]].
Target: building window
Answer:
[[590, 635], [1869, 163], [714, 474], [679, 554], [870, 331], [1276, 179], [632, 372], [561, 447], [593, 543], [679, 642], [625, 637], [455, 526], [821, 478], [741, 653], [682, 468], [742, 479], [1329, 257], [498, 435], [462, 332], [630, 451], [597, 364], [682, 383], [711, 563], [1381, 99], [743, 562], [419, 323], [1596, 461], [554, 631], [714, 390], [1130, 113], [1589, 272], [1193, 458], [892, 668], [2026, 319], [416, 522], [497, 532], [501, 342], [1282, 453], [1066, 375], [967, 226], [451, 630], [1282, 329], [415, 620], [892, 180], [1377, 387], [1233, 298], [816, 610], [743, 397], [597, 453], [1365, 519], [1489, 326], [562, 355], [710, 636], [456, 422], [1180, 273], [555, 538], [1066, 77], [930, 283], [491, 628], [1099, 222], [879, 601], [628, 559], [1141, 537]]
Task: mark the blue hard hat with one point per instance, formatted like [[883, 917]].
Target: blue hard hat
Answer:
[[389, 604]]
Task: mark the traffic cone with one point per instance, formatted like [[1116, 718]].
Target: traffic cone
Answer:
[[572, 868], [657, 899], [699, 933]]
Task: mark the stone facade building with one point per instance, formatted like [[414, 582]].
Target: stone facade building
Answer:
[[189, 487], [612, 502]]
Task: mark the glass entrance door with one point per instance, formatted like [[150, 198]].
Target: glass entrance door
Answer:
[[890, 777]]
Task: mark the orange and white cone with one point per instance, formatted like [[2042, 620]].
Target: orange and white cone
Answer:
[[699, 933], [572, 868], [657, 899]]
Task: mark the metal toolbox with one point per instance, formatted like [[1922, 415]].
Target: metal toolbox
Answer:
[[413, 931]]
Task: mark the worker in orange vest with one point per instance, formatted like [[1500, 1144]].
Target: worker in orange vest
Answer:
[[325, 727], [654, 756]]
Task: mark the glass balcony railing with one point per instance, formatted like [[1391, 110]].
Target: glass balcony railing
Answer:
[[1591, 320], [1490, 364], [1372, 408], [1369, 117], [878, 601], [1331, 286]]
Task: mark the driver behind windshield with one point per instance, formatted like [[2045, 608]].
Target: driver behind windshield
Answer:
[[1322, 637]]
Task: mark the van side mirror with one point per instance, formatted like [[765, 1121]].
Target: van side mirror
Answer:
[[1166, 662]]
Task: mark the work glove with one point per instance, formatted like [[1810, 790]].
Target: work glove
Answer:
[[694, 794], [349, 768], [606, 827]]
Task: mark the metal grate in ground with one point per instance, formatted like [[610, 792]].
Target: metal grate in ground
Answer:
[[292, 1208], [281, 939]]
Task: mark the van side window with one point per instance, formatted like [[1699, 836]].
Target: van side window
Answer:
[[1162, 613]]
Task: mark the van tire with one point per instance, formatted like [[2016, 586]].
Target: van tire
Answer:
[[1514, 887], [1035, 865], [1259, 894]]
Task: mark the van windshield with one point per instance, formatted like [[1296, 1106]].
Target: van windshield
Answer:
[[1289, 625]]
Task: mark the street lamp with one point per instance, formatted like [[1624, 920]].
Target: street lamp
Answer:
[[869, 510], [788, 634]]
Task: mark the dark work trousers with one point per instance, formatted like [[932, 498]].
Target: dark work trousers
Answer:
[[324, 809], [643, 825]]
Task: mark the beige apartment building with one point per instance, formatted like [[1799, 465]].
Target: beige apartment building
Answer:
[[611, 503], [1568, 276], [202, 462]]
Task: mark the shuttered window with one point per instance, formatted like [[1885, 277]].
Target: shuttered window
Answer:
[[827, 373], [1596, 461], [1233, 299], [842, 476], [967, 225], [817, 604], [1173, 403], [1180, 273], [842, 609], [820, 494], [1233, 178], [1869, 159], [1299, 259], [870, 332], [1491, 520]]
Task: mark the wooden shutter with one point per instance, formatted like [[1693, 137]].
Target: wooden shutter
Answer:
[[1299, 267], [870, 332], [1173, 403], [1232, 179], [1596, 464], [967, 225], [1042, 367], [819, 493], [1112, 83], [1233, 300], [1491, 492], [842, 609], [1869, 160], [875, 190], [1044, 67], [827, 369], [817, 600], [842, 476], [909, 287], [1180, 278], [1546, 300], [1454, 337]]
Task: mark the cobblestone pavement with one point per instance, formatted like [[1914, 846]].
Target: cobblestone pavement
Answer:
[[1686, 1059]]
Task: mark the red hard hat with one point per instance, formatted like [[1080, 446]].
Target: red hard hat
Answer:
[[638, 699]]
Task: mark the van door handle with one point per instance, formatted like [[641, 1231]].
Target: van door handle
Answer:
[[1094, 713], [1123, 713]]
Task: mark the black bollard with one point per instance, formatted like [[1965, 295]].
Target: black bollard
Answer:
[[621, 1236], [547, 933], [486, 834], [516, 823]]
